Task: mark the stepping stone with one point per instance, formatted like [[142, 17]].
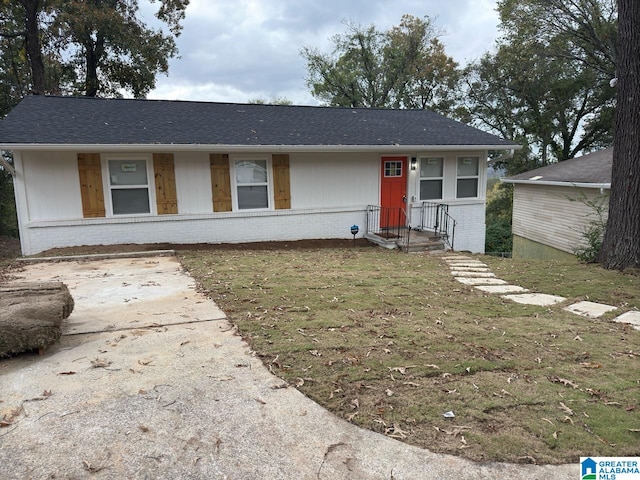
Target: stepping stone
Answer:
[[590, 309], [469, 269], [481, 281], [452, 258], [540, 299], [632, 318], [485, 274], [468, 264], [501, 288]]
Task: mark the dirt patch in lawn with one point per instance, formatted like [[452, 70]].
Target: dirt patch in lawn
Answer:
[[254, 246], [391, 342]]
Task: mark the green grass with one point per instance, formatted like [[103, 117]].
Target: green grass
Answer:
[[391, 341], [571, 279]]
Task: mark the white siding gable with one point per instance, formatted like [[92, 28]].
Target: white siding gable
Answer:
[[552, 215]]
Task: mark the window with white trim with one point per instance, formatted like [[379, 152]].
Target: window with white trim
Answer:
[[468, 177], [431, 177], [392, 168], [251, 183], [129, 186]]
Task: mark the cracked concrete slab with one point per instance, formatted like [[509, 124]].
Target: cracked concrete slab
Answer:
[[149, 291], [539, 299], [480, 281], [632, 318], [499, 289], [590, 309], [186, 401]]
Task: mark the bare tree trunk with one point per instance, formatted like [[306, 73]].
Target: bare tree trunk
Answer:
[[33, 46], [94, 50], [621, 243]]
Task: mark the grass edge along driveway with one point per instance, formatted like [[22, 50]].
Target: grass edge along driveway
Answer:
[[391, 342]]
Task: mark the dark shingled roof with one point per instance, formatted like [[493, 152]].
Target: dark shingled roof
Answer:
[[99, 121], [591, 168]]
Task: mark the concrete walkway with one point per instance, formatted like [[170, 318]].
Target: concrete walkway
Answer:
[[476, 273], [150, 381]]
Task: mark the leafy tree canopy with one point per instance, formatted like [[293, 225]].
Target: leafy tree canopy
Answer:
[[404, 67], [548, 84], [90, 47]]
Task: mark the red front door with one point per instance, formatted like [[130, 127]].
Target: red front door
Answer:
[[393, 192]]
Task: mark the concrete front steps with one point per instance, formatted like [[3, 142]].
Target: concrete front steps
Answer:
[[477, 274], [419, 241], [423, 242]]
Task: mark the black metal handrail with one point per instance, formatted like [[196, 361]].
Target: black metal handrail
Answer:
[[435, 217], [391, 223]]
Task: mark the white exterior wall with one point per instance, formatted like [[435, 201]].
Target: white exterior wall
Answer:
[[52, 185], [450, 171], [552, 215], [329, 193], [470, 230], [470, 226], [280, 225], [334, 179], [469, 213], [193, 182]]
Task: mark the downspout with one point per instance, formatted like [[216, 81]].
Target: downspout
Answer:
[[504, 156], [22, 208], [7, 166]]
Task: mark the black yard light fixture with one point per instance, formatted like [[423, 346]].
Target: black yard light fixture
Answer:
[[414, 163], [354, 231]]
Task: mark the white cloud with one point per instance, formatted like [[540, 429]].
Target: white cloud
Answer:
[[246, 49]]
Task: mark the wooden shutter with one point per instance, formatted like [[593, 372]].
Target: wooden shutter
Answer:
[[165, 180], [281, 183], [90, 174], [220, 182]]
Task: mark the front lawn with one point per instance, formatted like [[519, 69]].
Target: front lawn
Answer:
[[391, 342]]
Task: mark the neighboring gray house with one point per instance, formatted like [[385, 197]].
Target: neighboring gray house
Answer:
[[550, 204], [92, 171]]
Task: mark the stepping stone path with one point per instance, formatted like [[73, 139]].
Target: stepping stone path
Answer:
[[477, 274]]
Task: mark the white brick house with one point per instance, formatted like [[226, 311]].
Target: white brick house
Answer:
[[91, 171]]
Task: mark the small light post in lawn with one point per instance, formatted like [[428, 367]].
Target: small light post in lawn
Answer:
[[354, 231]]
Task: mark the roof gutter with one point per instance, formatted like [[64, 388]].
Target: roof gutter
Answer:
[[218, 148], [7, 166], [504, 156], [558, 184]]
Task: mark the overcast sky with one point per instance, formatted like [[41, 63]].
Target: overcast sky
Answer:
[[238, 50]]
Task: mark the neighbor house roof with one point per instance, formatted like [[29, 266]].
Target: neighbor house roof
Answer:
[[591, 170], [82, 121]]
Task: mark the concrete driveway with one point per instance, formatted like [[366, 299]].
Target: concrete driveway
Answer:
[[150, 381]]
